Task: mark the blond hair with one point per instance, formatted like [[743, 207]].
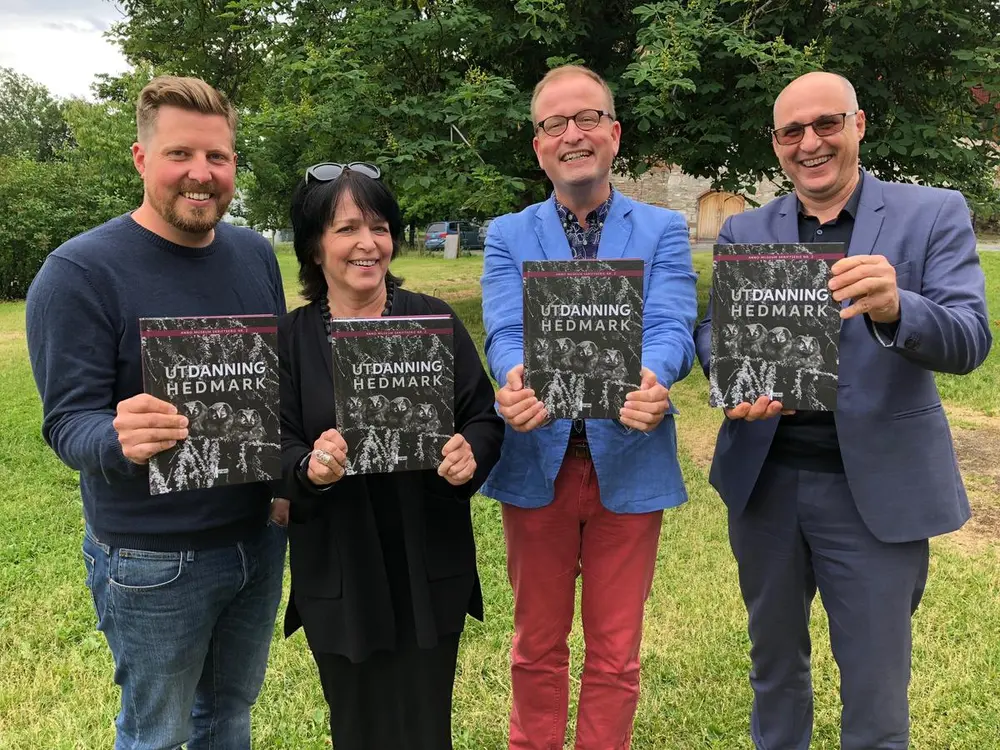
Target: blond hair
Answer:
[[564, 71], [191, 94]]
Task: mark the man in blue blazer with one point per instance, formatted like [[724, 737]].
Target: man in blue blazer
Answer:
[[584, 495], [845, 501]]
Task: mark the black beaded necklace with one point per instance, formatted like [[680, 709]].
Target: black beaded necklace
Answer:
[[324, 303]]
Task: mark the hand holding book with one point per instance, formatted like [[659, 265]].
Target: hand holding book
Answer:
[[328, 460], [645, 408], [459, 463], [762, 408], [147, 426], [518, 405], [869, 280]]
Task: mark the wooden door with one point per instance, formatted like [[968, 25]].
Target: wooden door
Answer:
[[713, 209]]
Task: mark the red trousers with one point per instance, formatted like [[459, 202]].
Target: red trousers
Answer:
[[547, 548]]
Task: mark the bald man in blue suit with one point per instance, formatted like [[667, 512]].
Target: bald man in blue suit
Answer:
[[845, 501]]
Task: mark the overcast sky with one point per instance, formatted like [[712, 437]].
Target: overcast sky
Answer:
[[59, 43]]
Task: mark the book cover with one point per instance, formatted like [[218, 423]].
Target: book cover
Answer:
[[394, 390], [222, 374], [583, 334], [775, 325]]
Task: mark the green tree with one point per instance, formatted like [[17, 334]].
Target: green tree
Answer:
[[387, 101], [437, 91], [103, 132], [31, 125], [89, 179], [706, 75], [42, 204], [225, 42]]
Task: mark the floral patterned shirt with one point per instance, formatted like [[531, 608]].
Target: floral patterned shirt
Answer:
[[584, 242]]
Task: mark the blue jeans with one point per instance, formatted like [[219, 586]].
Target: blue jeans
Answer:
[[190, 633]]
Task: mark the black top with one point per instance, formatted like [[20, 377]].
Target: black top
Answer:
[[375, 553], [386, 510], [808, 439]]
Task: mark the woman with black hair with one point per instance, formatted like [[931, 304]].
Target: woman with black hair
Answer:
[[383, 565]]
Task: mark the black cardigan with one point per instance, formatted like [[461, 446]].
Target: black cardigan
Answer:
[[340, 592]]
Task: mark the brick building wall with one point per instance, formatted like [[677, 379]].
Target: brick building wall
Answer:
[[669, 187]]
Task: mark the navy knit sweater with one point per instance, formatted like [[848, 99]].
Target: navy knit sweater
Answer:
[[83, 315]]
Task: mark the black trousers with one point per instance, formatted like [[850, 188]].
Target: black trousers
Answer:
[[394, 700]]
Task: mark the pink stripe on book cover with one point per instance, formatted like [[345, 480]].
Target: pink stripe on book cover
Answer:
[[406, 332], [790, 256], [549, 274], [395, 317], [207, 332], [210, 317]]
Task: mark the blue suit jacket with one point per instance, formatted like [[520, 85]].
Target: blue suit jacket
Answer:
[[894, 437], [637, 472]]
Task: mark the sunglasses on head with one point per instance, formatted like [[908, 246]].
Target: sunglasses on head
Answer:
[[328, 170]]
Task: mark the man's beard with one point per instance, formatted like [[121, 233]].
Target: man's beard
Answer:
[[197, 221]]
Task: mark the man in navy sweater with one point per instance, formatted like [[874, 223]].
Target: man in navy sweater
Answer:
[[186, 584]]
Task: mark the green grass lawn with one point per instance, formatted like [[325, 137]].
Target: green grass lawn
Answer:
[[454, 280], [56, 689]]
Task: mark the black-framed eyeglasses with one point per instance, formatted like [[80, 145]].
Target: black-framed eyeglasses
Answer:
[[585, 119], [328, 170], [822, 126]]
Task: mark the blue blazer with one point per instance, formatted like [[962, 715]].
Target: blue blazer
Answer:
[[894, 438], [637, 472]]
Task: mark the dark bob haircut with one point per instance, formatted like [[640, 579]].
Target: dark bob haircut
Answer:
[[312, 211]]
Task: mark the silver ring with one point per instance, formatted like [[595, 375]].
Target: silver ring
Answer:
[[323, 457]]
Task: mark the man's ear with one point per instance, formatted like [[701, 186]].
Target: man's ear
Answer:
[[139, 158]]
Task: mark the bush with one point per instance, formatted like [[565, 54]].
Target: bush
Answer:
[[43, 204]]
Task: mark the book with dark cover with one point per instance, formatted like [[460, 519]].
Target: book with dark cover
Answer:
[[582, 334], [222, 374], [394, 390], [775, 325]]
